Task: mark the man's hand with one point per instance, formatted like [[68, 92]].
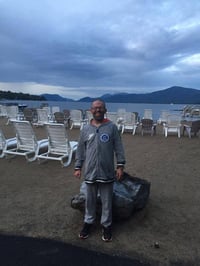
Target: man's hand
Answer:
[[77, 173], [119, 173]]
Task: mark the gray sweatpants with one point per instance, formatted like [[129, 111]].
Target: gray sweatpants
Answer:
[[105, 191]]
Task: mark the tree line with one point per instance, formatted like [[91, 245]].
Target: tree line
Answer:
[[8, 95]]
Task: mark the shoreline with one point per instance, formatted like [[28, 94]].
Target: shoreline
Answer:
[[111, 107]]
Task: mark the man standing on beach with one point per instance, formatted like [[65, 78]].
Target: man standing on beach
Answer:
[[98, 142]]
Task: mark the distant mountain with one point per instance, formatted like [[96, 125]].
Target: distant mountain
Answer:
[[86, 99], [175, 94], [56, 97]]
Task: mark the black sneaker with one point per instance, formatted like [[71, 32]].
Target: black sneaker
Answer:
[[107, 234], [85, 231]]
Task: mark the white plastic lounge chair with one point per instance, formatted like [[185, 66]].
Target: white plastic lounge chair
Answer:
[[112, 116], [42, 117], [27, 143], [163, 117], [148, 114], [3, 111], [76, 118], [129, 123], [48, 109], [173, 125], [120, 117], [6, 144], [59, 146], [88, 116], [13, 113], [120, 114]]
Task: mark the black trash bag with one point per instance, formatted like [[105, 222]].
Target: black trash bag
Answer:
[[129, 195]]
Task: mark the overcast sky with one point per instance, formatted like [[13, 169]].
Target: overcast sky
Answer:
[[84, 48]]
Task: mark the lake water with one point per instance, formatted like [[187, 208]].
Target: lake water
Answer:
[[111, 107]]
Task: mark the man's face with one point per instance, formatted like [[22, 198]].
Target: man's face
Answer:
[[98, 110]]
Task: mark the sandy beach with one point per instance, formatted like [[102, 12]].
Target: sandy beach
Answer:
[[35, 201]]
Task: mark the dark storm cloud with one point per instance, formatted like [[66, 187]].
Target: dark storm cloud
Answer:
[[130, 45]]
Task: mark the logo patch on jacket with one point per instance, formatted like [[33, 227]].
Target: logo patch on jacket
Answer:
[[104, 137]]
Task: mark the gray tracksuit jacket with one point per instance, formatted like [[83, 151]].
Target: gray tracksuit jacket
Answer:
[[96, 147]]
